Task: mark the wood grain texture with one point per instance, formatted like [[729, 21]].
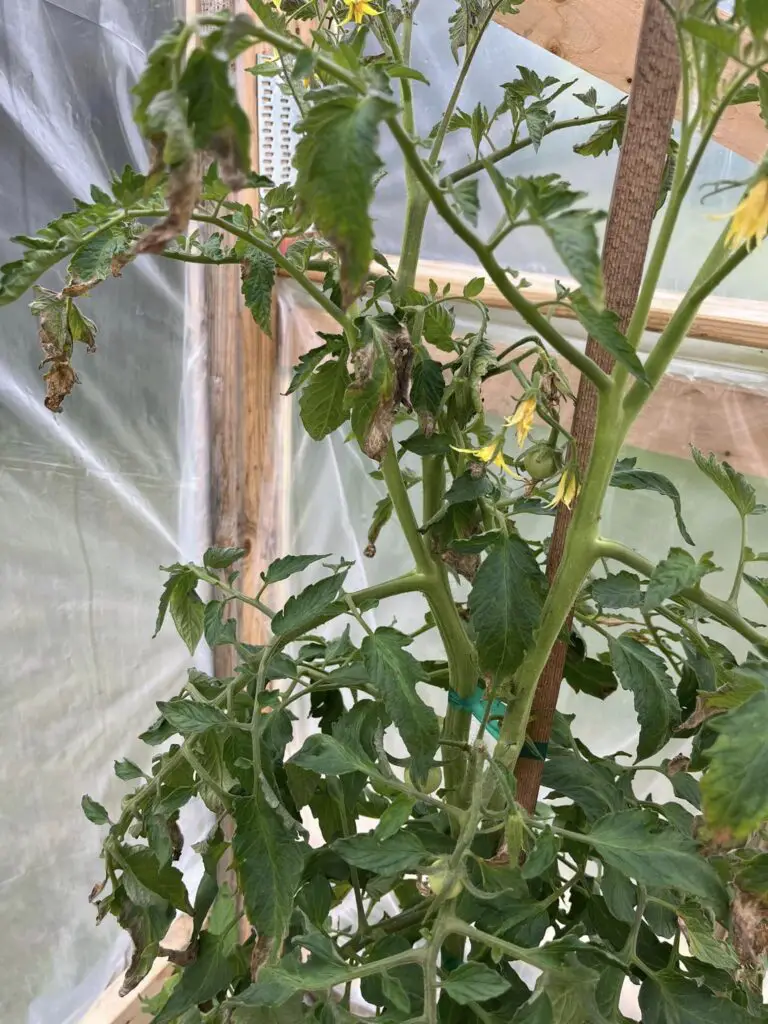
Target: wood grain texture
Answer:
[[600, 36]]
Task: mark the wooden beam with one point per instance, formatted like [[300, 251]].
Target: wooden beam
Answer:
[[600, 36], [739, 322]]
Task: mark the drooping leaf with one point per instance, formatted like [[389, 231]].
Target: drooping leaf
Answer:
[[542, 856], [337, 164], [428, 385], [395, 673], [188, 614], [618, 590], [127, 770], [737, 489], [211, 972], [644, 674], [590, 676], [302, 609], [590, 786], [147, 926], [258, 279], [678, 571], [505, 605], [626, 477], [735, 785], [606, 135], [322, 399], [94, 811], [619, 894], [401, 852], [269, 863], [635, 843], [702, 941], [603, 326], [439, 324], [165, 881], [474, 983]]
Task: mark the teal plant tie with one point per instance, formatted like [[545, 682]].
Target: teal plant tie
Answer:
[[476, 705]]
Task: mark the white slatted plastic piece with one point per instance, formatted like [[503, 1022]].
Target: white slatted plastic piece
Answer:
[[277, 114]]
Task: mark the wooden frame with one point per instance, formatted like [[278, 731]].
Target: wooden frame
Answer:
[[600, 37]]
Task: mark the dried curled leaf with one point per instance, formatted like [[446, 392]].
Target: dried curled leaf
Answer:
[[382, 383], [749, 928], [184, 187]]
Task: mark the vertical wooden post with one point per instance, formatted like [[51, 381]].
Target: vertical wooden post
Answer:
[[640, 171]]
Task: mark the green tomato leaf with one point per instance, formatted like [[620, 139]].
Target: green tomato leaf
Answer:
[[285, 567], [301, 610], [735, 785], [165, 881], [337, 165], [127, 770], [222, 558], [94, 811], [505, 606], [671, 997], [326, 755], [474, 983], [737, 489], [542, 856], [322, 399], [627, 478], [427, 386], [644, 674], [636, 844], [590, 786], [439, 325], [603, 326], [395, 816], [395, 673], [619, 894], [401, 852], [211, 972], [678, 571], [258, 279], [190, 718], [619, 590], [188, 614], [269, 864]]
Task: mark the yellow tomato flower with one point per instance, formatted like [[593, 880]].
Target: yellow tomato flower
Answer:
[[522, 419], [277, 4], [491, 454], [357, 8], [750, 221], [567, 489]]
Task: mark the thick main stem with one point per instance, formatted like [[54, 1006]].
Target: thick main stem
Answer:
[[636, 190]]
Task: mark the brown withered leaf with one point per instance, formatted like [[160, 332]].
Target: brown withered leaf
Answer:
[[680, 763], [465, 565], [180, 957], [184, 187], [262, 948], [397, 350], [59, 382], [701, 712], [749, 928]]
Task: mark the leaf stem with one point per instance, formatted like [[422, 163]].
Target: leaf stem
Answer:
[[733, 597], [512, 294], [515, 146], [721, 610]]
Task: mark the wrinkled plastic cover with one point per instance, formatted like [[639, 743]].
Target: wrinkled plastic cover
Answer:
[[91, 502]]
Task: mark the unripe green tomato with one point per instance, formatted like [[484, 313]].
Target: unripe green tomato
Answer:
[[434, 778], [441, 881], [541, 462]]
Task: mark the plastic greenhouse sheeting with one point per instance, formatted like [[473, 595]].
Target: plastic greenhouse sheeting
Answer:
[[91, 502]]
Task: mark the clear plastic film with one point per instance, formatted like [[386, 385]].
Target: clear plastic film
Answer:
[[91, 502]]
